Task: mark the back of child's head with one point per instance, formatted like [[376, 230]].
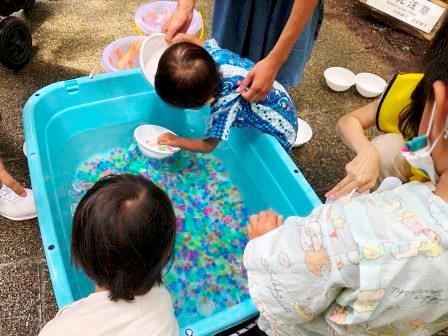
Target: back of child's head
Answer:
[[187, 76], [123, 235], [435, 68]]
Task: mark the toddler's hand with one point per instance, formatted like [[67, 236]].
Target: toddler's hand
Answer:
[[262, 223], [168, 139]]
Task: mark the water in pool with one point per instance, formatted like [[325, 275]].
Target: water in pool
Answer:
[[207, 274]]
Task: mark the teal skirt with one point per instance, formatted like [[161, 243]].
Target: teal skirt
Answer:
[[251, 28]]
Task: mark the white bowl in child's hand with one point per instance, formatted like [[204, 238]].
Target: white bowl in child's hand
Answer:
[[370, 85], [339, 79], [146, 137], [150, 52]]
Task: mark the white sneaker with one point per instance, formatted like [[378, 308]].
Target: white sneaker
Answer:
[[15, 207]]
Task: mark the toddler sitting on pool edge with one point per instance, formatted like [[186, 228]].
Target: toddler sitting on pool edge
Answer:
[[192, 73], [123, 236]]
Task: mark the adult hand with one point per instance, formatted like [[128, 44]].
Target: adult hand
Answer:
[[262, 223], [362, 173], [181, 37], [258, 82], [10, 182], [178, 23], [168, 139]]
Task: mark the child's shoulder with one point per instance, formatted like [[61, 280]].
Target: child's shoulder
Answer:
[[226, 57]]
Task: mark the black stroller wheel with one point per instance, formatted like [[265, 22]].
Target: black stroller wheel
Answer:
[[15, 43], [28, 5], [7, 7]]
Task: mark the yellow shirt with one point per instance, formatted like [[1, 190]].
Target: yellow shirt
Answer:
[[396, 98]]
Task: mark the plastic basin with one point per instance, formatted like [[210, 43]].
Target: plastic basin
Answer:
[[58, 120]]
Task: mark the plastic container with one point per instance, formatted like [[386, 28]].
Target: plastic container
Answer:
[[122, 54], [150, 52], [146, 137], [370, 85], [339, 79], [58, 122], [150, 18]]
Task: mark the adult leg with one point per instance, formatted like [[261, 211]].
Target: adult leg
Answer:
[[292, 71], [16, 203], [251, 29], [230, 24], [391, 162]]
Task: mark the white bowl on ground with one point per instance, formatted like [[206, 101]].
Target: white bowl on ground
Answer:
[[304, 134], [146, 137], [370, 85], [339, 79], [150, 52]]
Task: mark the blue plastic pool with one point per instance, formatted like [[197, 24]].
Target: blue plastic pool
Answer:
[[68, 122]]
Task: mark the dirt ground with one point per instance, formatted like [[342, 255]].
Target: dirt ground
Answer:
[[402, 51], [348, 38]]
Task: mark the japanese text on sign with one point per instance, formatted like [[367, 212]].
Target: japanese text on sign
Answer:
[[421, 14]]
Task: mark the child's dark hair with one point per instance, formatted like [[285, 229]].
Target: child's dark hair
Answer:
[[187, 76], [123, 235], [435, 68]]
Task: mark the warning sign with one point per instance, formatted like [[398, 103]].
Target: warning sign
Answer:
[[421, 14]]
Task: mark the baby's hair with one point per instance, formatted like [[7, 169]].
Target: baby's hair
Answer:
[[123, 235], [187, 76]]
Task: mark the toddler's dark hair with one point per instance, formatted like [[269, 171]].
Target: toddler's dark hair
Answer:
[[187, 76], [123, 235]]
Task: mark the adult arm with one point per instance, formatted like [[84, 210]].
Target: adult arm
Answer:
[[261, 78], [180, 20], [9, 181], [192, 145], [362, 172]]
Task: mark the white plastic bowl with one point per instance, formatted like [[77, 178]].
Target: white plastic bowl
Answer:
[[339, 79], [370, 85], [304, 134], [150, 52], [146, 137]]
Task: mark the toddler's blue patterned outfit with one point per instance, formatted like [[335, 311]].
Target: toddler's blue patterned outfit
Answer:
[[275, 115]]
